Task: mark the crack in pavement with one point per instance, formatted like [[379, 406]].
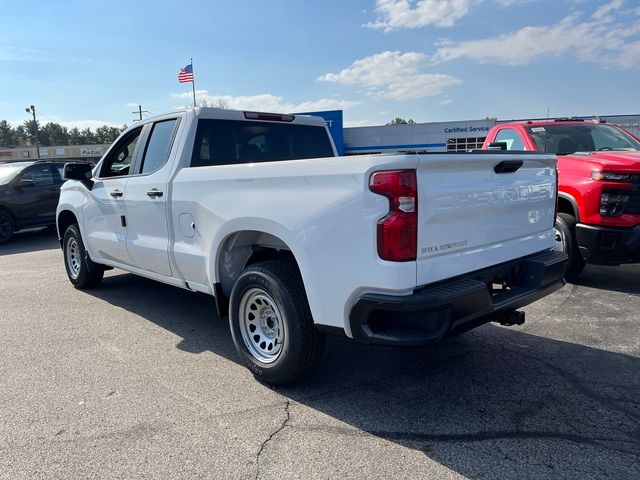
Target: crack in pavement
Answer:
[[287, 404]]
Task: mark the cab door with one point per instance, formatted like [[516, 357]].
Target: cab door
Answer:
[[147, 200], [104, 212], [35, 196]]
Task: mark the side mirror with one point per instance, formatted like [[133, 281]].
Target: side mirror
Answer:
[[80, 172], [497, 146], [25, 182]]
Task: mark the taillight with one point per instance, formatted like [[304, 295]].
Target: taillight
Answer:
[[398, 230]]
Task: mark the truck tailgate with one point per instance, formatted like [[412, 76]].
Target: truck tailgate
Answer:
[[475, 211]]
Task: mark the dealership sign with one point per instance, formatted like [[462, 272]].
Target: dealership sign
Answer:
[[333, 119], [91, 151], [468, 129]]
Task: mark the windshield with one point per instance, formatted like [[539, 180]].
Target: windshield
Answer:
[[564, 139], [8, 171]]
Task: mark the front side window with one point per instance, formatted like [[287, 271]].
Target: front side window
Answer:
[[118, 163], [159, 145], [566, 139], [40, 175], [511, 137], [226, 142]]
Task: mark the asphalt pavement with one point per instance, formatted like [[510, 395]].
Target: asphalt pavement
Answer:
[[136, 379]]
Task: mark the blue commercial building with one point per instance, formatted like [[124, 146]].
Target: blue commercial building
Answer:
[[456, 136]]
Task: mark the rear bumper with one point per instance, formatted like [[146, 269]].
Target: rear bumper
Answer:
[[455, 305], [608, 246]]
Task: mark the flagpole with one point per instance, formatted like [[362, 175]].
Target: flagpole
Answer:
[[193, 84]]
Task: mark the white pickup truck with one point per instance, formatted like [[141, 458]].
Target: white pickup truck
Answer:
[[294, 242]]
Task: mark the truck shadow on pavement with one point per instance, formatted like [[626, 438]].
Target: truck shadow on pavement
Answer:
[[492, 403], [622, 278], [32, 241]]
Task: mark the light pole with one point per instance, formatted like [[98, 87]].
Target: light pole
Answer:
[[32, 109]]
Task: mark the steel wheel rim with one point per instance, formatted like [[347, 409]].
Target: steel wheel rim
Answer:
[[562, 240], [73, 257], [261, 325], [5, 227]]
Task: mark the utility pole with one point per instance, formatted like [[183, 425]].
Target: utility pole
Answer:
[[32, 109], [140, 112]]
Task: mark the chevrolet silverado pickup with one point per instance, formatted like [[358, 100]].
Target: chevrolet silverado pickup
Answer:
[[294, 242], [599, 185]]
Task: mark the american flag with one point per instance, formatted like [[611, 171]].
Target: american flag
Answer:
[[186, 74]]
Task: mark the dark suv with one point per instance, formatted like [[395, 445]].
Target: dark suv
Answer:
[[29, 194]]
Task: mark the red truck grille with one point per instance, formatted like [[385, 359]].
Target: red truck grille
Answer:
[[634, 204], [634, 201]]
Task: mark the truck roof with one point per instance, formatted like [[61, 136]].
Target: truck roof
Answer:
[[554, 121], [243, 115]]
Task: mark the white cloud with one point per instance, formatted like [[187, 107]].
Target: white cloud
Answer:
[[608, 8], [20, 54], [92, 124], [267, 102], [601, 40], [394, 14], [79, 124], [445, 102], [357, 123], [393, 75]]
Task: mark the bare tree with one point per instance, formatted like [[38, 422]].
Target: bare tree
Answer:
[[215, 103]]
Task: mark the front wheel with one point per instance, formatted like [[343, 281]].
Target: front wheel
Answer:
[[82, 272], [6, 227], [271, 323], [566, 231]]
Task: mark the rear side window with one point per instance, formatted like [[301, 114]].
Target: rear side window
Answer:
[[159, 145], [225, 142], [511, 138]]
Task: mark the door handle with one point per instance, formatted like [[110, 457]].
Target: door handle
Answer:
[[116, 194], [508, 166], [154, 193]]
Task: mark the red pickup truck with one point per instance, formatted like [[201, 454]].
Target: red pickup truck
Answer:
[[599, 185]]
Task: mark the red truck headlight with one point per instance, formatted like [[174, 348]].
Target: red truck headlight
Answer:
[[613, 177], [613, 204], [614, 198], [398, 230]]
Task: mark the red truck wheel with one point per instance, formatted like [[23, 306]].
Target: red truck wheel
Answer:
[[566, 227]]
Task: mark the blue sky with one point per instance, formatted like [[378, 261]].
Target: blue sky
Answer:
[[85, 63]]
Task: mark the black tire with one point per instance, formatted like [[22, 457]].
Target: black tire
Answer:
[[276, 281], [566, 226], [7, 227], [82, 272]]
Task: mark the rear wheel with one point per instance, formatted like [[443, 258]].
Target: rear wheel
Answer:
[[6, 227], [82, 272], [566, 230], [271, 323]]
